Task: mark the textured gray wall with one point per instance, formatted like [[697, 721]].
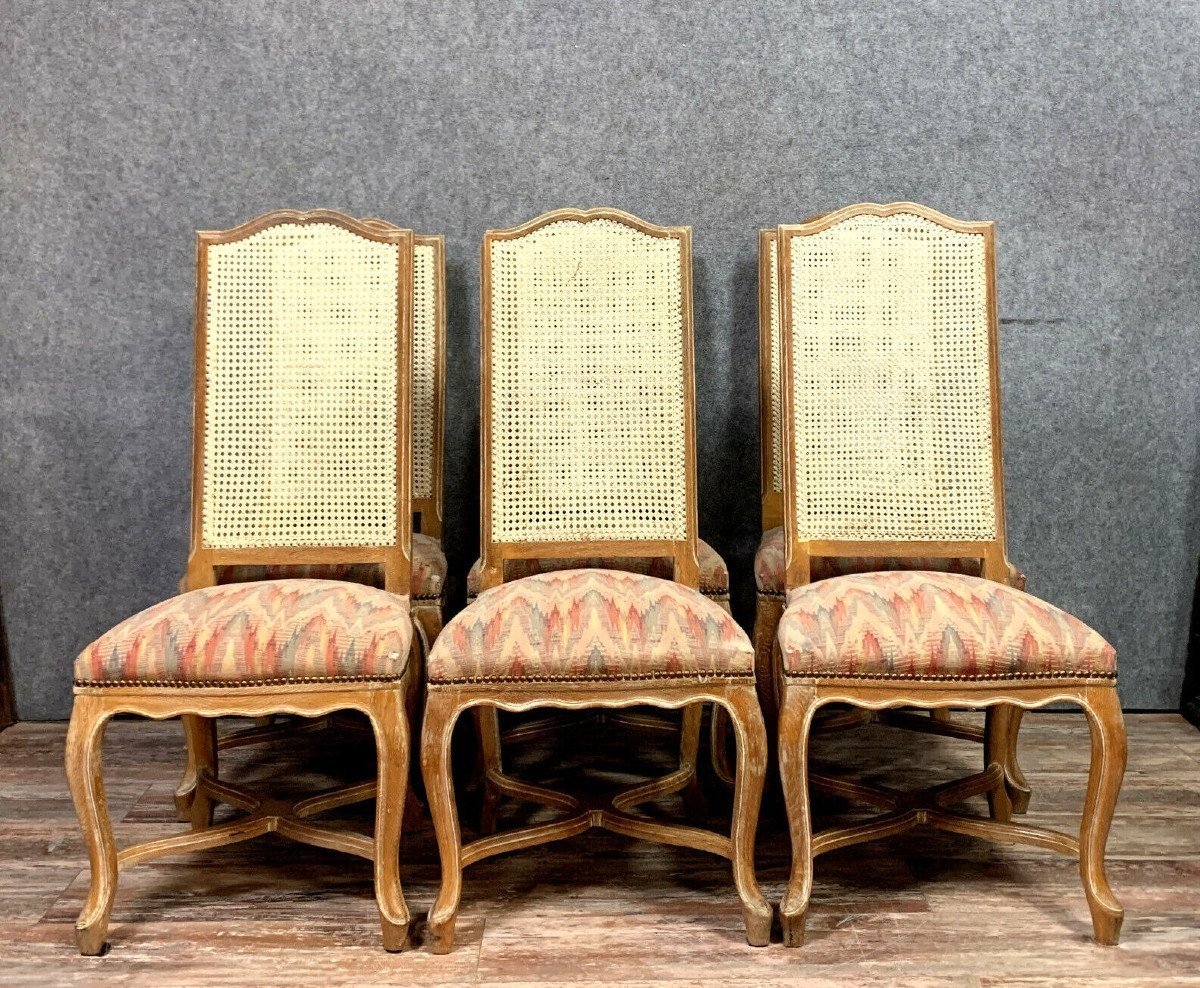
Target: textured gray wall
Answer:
[[127, 125]]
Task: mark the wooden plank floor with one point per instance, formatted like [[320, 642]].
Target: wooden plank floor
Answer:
[[922, 909]]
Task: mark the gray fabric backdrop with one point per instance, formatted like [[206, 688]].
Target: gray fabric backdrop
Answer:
[[127, 125]]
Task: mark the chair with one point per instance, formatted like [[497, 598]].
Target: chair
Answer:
[[588, 450], [891, 447], [301, 457], [769, 560], [428, 584]]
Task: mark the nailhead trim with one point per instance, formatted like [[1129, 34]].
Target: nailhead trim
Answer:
[[235, 683], [700, 676], [952, 679]]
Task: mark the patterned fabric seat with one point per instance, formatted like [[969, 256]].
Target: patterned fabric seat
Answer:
[[915, 625], [714, 574], [250, 634], [590, 624], [769, 565], [428, 571]]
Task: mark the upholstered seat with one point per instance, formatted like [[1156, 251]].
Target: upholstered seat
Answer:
[[923, 625], [769, 565], [251, 634], [714, 574], [590, 624], [428, 571]]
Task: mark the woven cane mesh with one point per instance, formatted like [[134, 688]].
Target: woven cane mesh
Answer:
[[300, 390], [891, 382], [587, 385], [424, 367], [776, 365]]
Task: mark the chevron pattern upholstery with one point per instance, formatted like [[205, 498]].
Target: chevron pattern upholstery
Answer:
[[590, 624], [922, 625], [250, 634]]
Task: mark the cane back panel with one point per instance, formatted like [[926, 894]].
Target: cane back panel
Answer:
[[588, 388], [303, 363], [890, 328]]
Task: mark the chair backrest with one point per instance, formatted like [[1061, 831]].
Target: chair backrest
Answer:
[[302, 442], [588, 392], [890, 400], [429, 377]]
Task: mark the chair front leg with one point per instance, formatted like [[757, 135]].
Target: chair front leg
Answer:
[[1109, 754], [390, 723], [441, 713], [751, 736], [799, 704], [85, 740]]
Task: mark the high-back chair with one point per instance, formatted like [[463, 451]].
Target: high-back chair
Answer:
[[302, 456], [769, 560], [427, 585], [427, 590], [891, 447], [588, 450]]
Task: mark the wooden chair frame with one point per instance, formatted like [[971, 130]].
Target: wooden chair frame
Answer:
[[427, 513], [769, 607], [384, 704], [446, 702], [801, 697]]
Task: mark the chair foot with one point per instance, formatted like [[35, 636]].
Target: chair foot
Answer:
[[1106, 925], [395, 936], [793, 928], [91, 939], [442, 935], [758, 925]]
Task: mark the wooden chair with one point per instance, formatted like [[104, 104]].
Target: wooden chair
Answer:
[[302, 456], [769, 560], [891, 447], [588, 450], [428, 583]]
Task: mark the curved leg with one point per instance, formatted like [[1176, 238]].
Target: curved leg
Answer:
[[487, 723], [751, 735], [996, 747], [1109, 751], [85, 739], [441, 712], [390, 723], [1015, 782], [689, 757], [799, 704], [201, 736]]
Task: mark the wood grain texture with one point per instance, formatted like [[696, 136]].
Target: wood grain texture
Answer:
[[942, 910]]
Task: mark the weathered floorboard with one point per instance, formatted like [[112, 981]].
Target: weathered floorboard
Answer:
[[921, 909]]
